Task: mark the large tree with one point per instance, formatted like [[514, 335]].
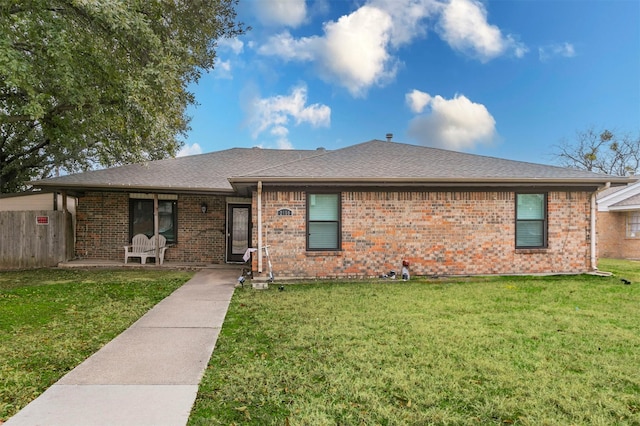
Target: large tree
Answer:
[[601, 151], [87, 83]]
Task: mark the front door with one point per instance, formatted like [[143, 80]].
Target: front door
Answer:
[[238, 231]]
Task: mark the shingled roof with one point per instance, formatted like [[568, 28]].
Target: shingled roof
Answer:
[[622, 198], [196, 173], [369, 163]]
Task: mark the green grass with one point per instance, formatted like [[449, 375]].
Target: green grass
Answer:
[[53, 319], [504, 350]]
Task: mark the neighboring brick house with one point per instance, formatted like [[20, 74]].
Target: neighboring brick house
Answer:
[[619, 222], [358, 211]]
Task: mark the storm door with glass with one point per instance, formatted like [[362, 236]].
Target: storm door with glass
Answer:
[[238, 231]]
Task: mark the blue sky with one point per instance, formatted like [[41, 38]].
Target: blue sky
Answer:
[[508, 79]]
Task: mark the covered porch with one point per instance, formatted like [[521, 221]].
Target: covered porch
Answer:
[[110, 263]]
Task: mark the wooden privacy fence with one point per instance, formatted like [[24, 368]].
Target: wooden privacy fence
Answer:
[[34, 239]]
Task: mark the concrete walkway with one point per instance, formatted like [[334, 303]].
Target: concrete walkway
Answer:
[[149, 374]]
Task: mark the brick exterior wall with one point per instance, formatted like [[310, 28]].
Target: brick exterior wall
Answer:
[[102, 225], [441, 233], [201, 237], [103, 228], [612, 238]]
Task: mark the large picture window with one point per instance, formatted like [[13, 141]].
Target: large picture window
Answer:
[[323, 221], [531, 220], [633, 225], [141, 218]]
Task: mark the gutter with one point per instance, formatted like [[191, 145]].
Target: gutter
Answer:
[[480, 181], [79, 188]]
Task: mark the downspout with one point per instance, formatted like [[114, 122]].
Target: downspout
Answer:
[[594, 260], [259, 226]]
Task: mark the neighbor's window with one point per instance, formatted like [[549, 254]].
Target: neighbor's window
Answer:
[[323, 221], [633, 225], [141, 218], [531, 220]]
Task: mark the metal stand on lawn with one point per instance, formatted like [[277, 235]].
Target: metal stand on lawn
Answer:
[[270, 278], [266, 253]]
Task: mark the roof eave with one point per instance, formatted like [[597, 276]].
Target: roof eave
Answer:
[[131, 188], [393, 181], [617, 196], [630, 207]]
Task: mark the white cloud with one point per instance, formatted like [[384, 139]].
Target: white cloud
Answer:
[[284, 143], [417, 100], [232, 44], [564, 50], [408, 17], [456, 123], [355, 50], [223, 70], [286, 47], [290, 13], [463, 25], [275, 114], [186, 150]]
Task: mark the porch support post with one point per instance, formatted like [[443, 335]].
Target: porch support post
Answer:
[[65, 223], [260, 227], [156, 227], [64, 201]]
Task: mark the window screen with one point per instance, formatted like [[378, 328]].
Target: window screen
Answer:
[[141, 218], [531, 220], [633, 225], [323, 224]]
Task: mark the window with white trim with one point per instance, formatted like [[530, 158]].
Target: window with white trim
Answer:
[[323, 221], [141, 218], [633, 224], [531, 220]]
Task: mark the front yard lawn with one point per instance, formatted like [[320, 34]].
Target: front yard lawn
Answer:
[[504, 350], [53, 319]]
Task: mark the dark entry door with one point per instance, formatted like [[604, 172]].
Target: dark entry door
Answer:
[[239, 231]]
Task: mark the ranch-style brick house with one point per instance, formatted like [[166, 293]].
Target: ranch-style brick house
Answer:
[[619, 222], [352, 212]]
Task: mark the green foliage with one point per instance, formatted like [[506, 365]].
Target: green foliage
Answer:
[[503, 350], [601, 152], [51, 320], [85, 83]]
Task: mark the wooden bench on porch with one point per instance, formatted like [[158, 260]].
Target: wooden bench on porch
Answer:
[[144, 247]]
